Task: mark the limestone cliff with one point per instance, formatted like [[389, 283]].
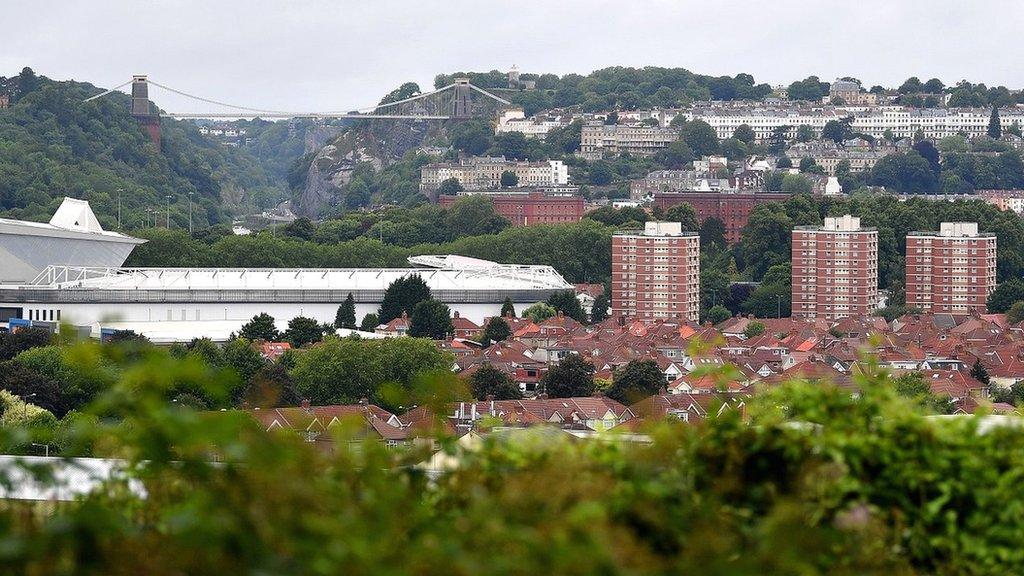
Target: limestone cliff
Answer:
[[377, 142]]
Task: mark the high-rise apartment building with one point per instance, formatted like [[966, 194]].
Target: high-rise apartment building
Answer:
[[656, 273], [835, 269], [950, 271]]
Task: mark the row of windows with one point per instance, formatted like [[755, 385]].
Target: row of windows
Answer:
[[48, 315]]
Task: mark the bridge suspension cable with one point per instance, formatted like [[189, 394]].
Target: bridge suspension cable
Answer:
[[409, 99], [102, 94], [368, 112], [208, 101]]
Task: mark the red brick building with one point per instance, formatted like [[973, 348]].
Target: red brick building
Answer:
[[524, 209], [952, 270], [835, 270], [732, 208], [656, 273]]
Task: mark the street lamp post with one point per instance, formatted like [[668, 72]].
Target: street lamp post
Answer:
[[119, 191], [168, 223], [778, 307], [24, 408], [190, 213]]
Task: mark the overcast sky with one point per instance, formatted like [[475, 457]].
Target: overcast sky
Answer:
[[330, 55]]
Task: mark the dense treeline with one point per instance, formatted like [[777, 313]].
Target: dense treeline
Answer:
[[765, 243], [953, 165], [626, 88], [581, 252], [54, 145], [619, 87]]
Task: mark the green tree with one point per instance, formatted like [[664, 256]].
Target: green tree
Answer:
[[765, 239], [905, 173], [796, 184], [979, 373], [753, 329], [14, 343], [712, 233], [777, 140], [810, 88], [302, 330], [507, 308], [346, 316], [241, 356], [718, 314], [1005, 295], [838, 130], [206, 351], [635, 381], [472, 136], [301, 228], [1016, 312], [346, 370], [914, 387], [599, 173], [599, 309], [684, 214], [402, 295], [700, 137], [261, 327], [271, 387], [778, 275], [567, 303], [473, 216], [489, 382], [744, 133], [450, 187], [539, 312], [676, 156], [25, 382], [369, 323], [431, 319], [496, 330], [572, 377], [805, 133], [995, 128], [769, 301], [509, 179]]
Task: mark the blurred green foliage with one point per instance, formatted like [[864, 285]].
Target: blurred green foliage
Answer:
[[806, 479]]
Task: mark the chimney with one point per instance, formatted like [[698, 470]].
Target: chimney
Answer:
[[455, 314], [305, 405], [404, 315], [363, 401], [542, 396]]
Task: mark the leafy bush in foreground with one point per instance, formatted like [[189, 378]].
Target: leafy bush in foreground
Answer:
[[805, 480]]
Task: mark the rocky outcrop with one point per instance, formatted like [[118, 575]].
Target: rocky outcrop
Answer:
[[378, 142]]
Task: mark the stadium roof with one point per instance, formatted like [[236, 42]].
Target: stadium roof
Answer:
[[73, 237], [451, 273], [73, 220]]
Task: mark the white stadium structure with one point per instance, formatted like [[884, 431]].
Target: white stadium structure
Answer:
[[70, 271]]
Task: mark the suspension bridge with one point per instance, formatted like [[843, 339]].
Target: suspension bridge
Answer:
[[455, 101]]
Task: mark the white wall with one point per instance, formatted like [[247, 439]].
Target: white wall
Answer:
[[87, 314]]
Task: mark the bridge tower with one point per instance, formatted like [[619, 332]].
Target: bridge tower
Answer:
[[462, 103], [141, 111]]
